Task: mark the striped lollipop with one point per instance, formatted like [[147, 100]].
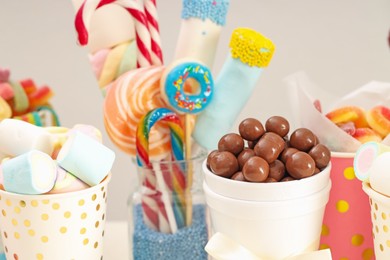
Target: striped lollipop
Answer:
[[135, 9], [151, 181]]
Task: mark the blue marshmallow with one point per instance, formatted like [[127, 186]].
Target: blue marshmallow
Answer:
[[33, 172], [86, 158], [233, 87]]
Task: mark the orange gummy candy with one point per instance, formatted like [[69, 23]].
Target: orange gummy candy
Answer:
[[348, 114]]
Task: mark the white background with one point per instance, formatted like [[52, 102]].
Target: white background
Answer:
[[341, 44]]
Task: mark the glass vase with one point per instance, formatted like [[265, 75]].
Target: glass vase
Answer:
[[167, 211]]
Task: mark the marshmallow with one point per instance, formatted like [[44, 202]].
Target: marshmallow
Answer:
[[365, 157], [59, 135], [1, 179], [201, 26], [18, 137], [86, 158], [33, 172], [250, 53], [89, 130], [66, 182], [2, 156], [379, 174]]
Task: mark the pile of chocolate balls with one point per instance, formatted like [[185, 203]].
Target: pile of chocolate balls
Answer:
[[267, 153]]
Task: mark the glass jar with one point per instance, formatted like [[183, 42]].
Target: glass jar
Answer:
[[167, 211]]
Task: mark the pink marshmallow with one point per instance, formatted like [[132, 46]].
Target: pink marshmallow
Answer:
[[97, 60]]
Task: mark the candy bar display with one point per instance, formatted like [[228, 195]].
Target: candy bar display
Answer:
[[167, 116], [54, 190]]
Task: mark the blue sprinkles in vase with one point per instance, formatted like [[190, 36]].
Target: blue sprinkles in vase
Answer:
[[187, 243]]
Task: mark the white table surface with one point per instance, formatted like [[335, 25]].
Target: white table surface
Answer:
[[116, 241]]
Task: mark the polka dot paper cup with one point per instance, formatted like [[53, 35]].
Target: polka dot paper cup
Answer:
[[346, 227], [56, 226], [380, 216]]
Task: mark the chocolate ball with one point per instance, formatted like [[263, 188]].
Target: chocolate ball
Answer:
[[251, 144], [269, 146], [224, 164], [287, 178], [251, 129], [278, 125], [238, 176], [321, 155], [287, 152], [316, 171], [316, 140], [211, 154], [231, 143], [303, 139], [276, 170], [300, 165], [269, 179], [244, 156], [256, 169]]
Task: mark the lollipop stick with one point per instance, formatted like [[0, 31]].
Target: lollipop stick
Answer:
[[189, 169]]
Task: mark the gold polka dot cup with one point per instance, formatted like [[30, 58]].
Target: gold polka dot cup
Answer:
[[55, 226], [380, 216], [346, 227]]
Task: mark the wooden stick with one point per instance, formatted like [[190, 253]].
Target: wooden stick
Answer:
[[188, 156]]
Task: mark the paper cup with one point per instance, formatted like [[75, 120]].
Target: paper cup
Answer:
[[269, 226], [266, 191], [272, 230], [347, 222], [58, 226], [380, 216]]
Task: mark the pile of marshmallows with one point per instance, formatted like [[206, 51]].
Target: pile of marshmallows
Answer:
[[39, 160], [269, 154]]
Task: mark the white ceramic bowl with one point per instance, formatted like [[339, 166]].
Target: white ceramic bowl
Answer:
[[273, 191]]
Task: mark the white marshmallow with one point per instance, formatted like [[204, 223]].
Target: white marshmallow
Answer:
[[18, 137], [379, 174]]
